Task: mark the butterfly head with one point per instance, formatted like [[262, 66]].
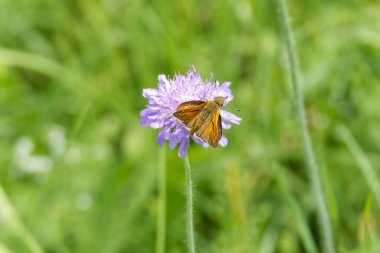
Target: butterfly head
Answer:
[[220, 100]]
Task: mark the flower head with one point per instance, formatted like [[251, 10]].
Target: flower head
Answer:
[[164, 100]]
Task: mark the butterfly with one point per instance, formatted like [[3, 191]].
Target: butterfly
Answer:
[[202, 119]]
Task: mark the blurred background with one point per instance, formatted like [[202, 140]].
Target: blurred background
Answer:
[[79, 174]]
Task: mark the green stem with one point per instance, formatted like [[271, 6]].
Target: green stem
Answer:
[[362, 160], [189, 207], [161, 217], [314, 176]]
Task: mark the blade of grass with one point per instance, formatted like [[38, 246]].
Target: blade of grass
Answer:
[[362, 161], [374, 249], [295, 209], [161, 217], [31, 61], [313, 170], [42, 65], [11, 218], [235, 193], [271, 234]]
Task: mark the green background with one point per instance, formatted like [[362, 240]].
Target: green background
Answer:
[[79, 174]]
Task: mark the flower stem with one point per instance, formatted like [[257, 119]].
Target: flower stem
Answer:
[[189, 207], [161, 217], [314, 176]]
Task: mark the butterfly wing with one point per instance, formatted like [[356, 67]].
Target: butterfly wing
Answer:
[[211, 131], [187, 111]]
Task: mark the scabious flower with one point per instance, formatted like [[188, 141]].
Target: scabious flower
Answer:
[[163, 102]]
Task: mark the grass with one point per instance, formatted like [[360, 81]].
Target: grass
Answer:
[[313, 168], [81, 66]]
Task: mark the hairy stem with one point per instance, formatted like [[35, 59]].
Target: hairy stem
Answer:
[[189, 207], [314, 176]]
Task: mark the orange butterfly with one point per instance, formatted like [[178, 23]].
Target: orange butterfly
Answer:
[[202, 118]]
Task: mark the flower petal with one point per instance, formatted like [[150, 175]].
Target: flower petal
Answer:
[[157, 124], [225, 85], [176, 137], [200, 142], [226, 125], [144, 121], [161, 137], [148, 93], [163, 82], [184, 145], [227, 116], [145, 112], [223, 141]]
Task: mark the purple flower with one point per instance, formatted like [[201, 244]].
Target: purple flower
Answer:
[[163, 102]]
